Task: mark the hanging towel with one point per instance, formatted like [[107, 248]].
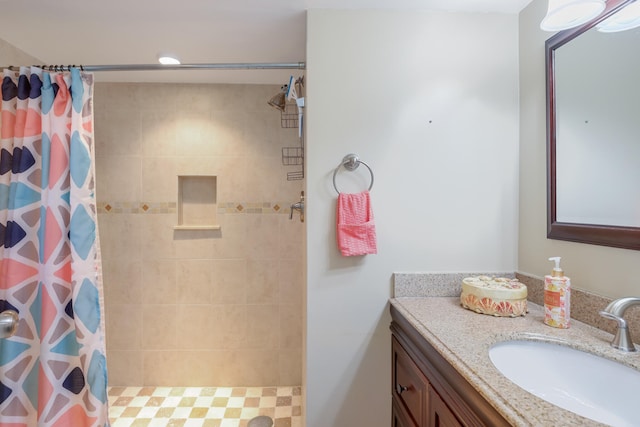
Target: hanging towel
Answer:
[[356, 230]]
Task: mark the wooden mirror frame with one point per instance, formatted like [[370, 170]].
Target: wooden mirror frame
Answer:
[[595, 234]]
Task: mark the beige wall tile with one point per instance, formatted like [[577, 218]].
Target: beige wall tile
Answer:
[[193, 134], [122, 96], [120, 178], [291, 276], [156, 96], [159, 180], [262, 281], [263, 327], [229, 282], [125, 139], [233, 326], [196, 308], [290, 326], [192, 244], [264, 176], [120, 236], [262, 137], [234, 240], [263, 230], [159, 133], [198, 327], [159, 282], [159, 327], [197, 368], [124, 368], [162, 368], [255, 367], [290, 364], [157, 236], [290, 243], [122, 281], [124, 327], [194, 281], [228, 133]]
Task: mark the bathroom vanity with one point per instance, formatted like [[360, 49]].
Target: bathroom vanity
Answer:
[[427, 390], [442, 374]]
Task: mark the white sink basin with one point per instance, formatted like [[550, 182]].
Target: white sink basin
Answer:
[[580, 382]]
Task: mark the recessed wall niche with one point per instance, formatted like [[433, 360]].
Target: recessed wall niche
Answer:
[[197, 203]]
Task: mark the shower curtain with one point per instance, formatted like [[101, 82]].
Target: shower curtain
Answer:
[[53, 370]]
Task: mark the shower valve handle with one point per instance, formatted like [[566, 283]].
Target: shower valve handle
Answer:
[[298, 206]]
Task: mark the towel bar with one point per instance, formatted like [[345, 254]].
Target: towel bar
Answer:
[[351, 162]]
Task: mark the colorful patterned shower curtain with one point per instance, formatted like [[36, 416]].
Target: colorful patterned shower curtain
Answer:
[[53, 370]]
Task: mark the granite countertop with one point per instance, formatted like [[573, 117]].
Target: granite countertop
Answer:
[[464, 337]]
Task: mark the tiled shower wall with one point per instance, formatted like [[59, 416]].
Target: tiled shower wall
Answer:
[[198, 307]]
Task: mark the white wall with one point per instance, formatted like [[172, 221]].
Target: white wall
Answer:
[[11, 55], [606, 271], [430, 101]]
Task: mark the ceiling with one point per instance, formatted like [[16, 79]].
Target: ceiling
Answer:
[[93, 32]]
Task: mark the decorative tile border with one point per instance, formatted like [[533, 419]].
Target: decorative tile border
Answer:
[[136, 207], [172, 208], [254, 207]]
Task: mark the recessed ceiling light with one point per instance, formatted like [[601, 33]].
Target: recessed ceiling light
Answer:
[[167, 59]]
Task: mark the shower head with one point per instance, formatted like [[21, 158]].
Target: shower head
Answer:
[[279, 100]]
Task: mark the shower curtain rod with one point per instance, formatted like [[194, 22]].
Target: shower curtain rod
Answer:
[[154, 67]]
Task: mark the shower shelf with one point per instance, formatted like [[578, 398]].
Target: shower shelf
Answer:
[[197, 203], [289, 116]]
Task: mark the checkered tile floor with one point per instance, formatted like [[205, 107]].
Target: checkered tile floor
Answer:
[[203, 406]]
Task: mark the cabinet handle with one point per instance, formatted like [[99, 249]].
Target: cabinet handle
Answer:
[[400, 388]]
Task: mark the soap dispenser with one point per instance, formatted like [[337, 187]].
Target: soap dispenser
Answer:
[[557, 297]]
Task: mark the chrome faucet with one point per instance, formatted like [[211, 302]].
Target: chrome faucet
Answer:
[[615, 311], [298, 206]]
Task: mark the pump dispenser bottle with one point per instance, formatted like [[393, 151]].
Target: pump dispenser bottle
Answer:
[[557, 297]]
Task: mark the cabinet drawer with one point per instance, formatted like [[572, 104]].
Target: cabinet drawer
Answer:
[[410, 387]]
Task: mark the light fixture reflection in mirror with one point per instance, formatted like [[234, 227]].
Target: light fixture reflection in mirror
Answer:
[[564, 14], [626, 19]]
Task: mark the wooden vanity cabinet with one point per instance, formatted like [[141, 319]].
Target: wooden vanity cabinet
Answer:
[[427, 391]]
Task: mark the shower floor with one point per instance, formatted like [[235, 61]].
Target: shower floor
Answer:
[[203, 406]]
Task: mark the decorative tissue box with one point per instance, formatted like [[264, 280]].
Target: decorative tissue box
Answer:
[[497, 296]]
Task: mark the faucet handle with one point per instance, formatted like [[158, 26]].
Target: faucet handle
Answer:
[[621, 322], [622, 339]]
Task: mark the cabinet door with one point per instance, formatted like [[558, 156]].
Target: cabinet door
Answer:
[[439, 413], [399, 418], [410, 386]]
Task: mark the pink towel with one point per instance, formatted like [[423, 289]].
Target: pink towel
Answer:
[[355, 227]]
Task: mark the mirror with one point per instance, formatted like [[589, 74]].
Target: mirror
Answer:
[[593, 134]]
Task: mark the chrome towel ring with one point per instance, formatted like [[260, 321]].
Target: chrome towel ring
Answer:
[[351, 162]]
